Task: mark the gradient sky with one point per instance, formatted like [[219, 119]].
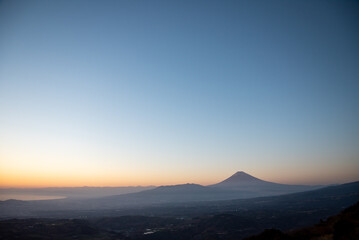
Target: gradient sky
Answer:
[[116, 93]]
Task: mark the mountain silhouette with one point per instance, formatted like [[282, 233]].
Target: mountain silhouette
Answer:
[[241, 181], [241, 177]]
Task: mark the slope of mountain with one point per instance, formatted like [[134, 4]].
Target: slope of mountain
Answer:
[[344, 225], [176, 193], [241, 181]]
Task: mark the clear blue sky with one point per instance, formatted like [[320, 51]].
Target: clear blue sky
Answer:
[[165, 92]]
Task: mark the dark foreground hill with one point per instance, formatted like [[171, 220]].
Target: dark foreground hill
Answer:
[[340, 227]]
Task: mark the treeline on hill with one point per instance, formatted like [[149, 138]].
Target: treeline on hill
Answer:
[[343, 226]]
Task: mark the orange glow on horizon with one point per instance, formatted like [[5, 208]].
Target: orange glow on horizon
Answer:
[[29, 172], [28, 180]]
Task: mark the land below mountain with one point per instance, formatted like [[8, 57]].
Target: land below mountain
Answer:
[[229, 219]]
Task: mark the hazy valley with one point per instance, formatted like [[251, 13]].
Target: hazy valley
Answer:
[[235, 208]]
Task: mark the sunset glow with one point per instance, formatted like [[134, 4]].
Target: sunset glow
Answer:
[[166, 92]]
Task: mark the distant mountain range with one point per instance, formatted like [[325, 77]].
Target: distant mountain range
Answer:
[[239, 186]]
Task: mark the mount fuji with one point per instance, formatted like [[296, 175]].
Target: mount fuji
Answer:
[[241, 181]]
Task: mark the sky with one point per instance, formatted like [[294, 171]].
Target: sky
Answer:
[[120, 93]]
